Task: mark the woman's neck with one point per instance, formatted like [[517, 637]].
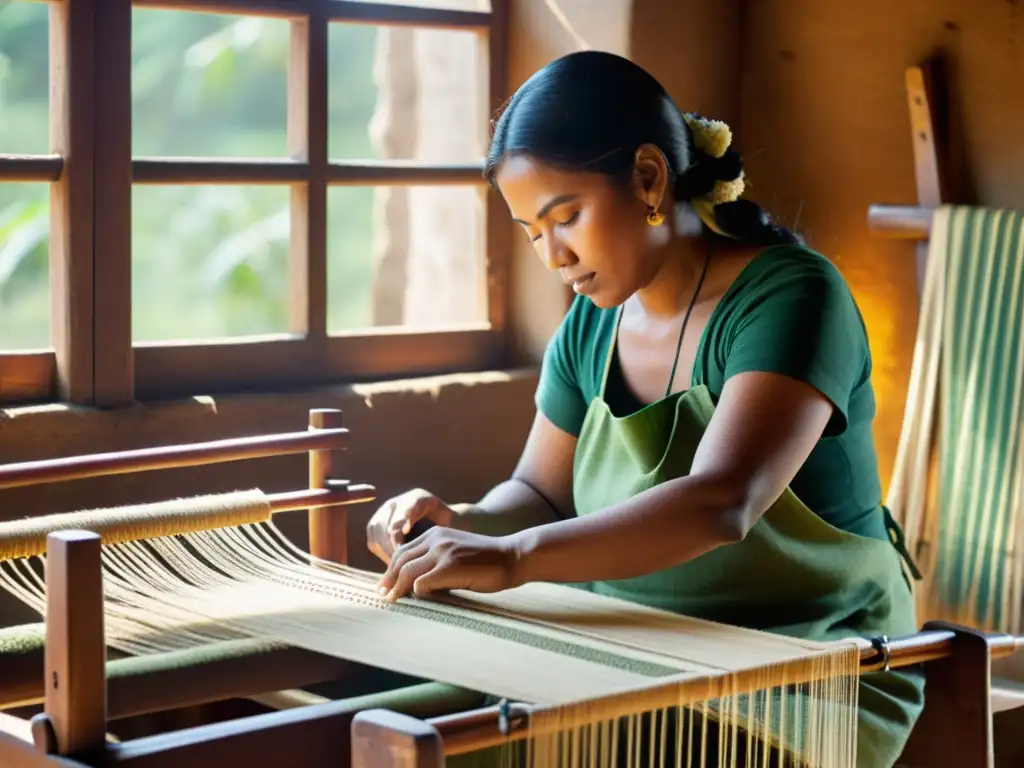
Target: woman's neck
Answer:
[[671, 289]]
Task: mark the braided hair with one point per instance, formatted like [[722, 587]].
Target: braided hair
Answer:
[[589, 111]]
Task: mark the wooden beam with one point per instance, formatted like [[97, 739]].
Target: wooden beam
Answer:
[[114, 374], [955, 727], [181, 370], [307, 142], [351, 11], [404, 173], [68, 468], [19, 168], [306, 737], [394, 14], [72, 126], [187, 677], [76, 685], [499, 223], [927, 168], [201, 170], [913, 222], [383, 739], [27, 376], [328, 528], [15, 753], [195, 170], [281, 9]]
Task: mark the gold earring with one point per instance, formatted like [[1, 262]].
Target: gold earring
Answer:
[[654, 216]]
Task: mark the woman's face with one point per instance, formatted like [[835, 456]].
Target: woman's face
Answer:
[[595, 235]]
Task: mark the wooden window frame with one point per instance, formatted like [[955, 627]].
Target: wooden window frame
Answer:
[[91, 172]]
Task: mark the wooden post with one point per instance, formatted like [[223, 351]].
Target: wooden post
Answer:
[[955, 728], [75, 718], [328, 526], [384, 739]]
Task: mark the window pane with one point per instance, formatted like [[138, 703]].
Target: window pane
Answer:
[[24, 266], [399, 93], [207, 84], [405, 256], [209, 262], [24, 78]]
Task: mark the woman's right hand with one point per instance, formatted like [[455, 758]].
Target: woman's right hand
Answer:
[[393, 521]]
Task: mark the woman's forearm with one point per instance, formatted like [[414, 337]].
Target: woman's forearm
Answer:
[[654, 530], [507, 509]]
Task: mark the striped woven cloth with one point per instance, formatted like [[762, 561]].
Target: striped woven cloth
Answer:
[[958, 483]]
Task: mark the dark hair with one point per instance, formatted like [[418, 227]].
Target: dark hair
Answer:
[[589, 111]]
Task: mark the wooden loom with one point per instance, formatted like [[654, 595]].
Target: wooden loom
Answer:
[[80, 694]]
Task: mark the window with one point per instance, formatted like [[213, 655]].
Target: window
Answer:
[[261, 194]]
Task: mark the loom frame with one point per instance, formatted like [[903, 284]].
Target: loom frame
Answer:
[[239, 668], [71, 731]]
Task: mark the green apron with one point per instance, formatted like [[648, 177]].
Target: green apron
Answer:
[[793, 574]]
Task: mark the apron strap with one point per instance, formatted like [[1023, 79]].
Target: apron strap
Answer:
[[899, 541]]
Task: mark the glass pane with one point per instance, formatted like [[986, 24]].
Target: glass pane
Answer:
[[207, 84], [24, 266], [399, 93], [24, 78], [209, 262], [405, 256]]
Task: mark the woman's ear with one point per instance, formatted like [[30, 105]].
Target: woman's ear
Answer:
[[651, 176]]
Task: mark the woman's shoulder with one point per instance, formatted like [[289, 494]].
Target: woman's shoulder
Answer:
[[780, 264], [787, 277]]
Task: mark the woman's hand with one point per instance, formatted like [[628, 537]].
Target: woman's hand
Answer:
[[444, 558], [394, 520]]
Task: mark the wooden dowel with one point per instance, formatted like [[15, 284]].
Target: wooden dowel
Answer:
[[75, 655], [479, 729], [167, 457], [328, 532], [905, 222], [25, 538]]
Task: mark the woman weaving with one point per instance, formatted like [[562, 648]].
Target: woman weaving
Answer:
[[703, 439]]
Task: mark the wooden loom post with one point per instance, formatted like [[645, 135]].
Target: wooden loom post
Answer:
[[328, 528], [955, 727], [75, 717], [383, 739]]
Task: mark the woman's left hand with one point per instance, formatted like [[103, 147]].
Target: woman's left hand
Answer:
[[447, 558]]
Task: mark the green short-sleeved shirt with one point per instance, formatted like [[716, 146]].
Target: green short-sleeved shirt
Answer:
[[788, 312]]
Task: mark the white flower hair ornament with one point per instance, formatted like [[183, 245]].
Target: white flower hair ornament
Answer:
[[713, 138]]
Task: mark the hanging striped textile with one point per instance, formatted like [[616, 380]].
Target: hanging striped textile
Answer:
[[959, 473]]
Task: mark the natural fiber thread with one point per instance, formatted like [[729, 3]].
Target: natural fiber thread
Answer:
[[738, 688], [27, 538]]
